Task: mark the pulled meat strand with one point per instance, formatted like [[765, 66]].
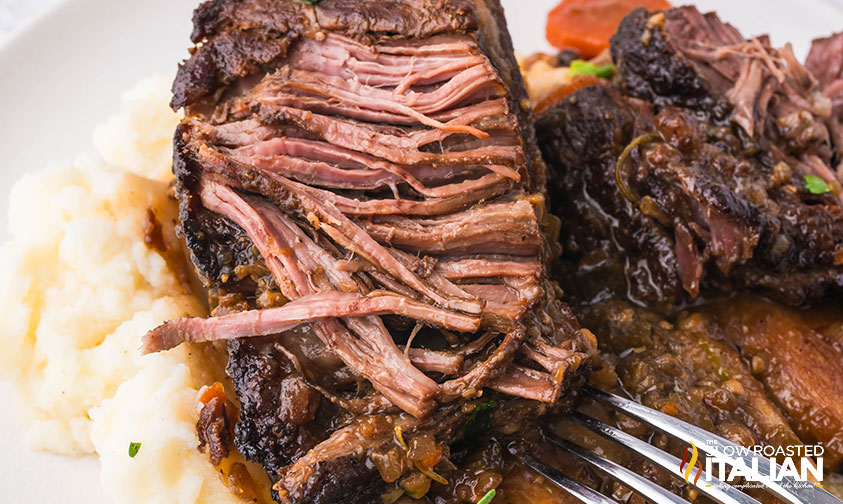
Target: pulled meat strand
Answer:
[[401, 150], [413, 105], [325, 216], [470, 383], [436, 362], [372, 352], [303, 310], [341, 56], [485, 268], [505, 228], [527, 383], [330, 166]]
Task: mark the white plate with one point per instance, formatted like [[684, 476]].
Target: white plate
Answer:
[[65, 73]]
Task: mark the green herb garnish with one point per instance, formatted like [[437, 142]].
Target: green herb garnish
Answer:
[[582, 67], [134, 448], [479, 420], [816, 185], [488, 497]]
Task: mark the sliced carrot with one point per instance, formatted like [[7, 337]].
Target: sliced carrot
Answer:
[[587, 25], [209, 392]]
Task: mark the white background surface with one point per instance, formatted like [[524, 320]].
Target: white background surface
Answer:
[[15, 14], [62, 74]]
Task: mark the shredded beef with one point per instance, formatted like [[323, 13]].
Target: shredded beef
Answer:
[[362, 194]]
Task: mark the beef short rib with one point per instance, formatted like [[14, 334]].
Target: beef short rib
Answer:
[[707, 164], [361, 191]]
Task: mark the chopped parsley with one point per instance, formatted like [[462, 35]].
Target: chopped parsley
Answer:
[[134, 448], [479, 420], [816, 185], [488, 497], [582, 67]]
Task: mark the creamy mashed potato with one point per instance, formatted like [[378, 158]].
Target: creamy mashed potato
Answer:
[[80, 290]]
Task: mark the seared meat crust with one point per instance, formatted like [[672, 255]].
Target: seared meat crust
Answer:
[[276, 408], [240, 38]]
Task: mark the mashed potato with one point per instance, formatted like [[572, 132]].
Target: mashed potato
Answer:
[[81, 288]]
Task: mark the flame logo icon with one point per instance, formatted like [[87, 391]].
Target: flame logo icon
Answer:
[[694, 456]]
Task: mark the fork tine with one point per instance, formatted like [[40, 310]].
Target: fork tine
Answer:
[[635, 482], [788, 489], [718, 492], [578, 490]]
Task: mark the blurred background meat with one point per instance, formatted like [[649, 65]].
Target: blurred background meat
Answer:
[[694, 172], [708, 165]]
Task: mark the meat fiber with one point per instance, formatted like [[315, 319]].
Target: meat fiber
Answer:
[[361, 191], [705, 166]]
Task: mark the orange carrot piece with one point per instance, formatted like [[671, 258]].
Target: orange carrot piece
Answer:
[[587, 25]]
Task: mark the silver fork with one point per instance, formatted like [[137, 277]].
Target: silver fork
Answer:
[[787, 489]]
